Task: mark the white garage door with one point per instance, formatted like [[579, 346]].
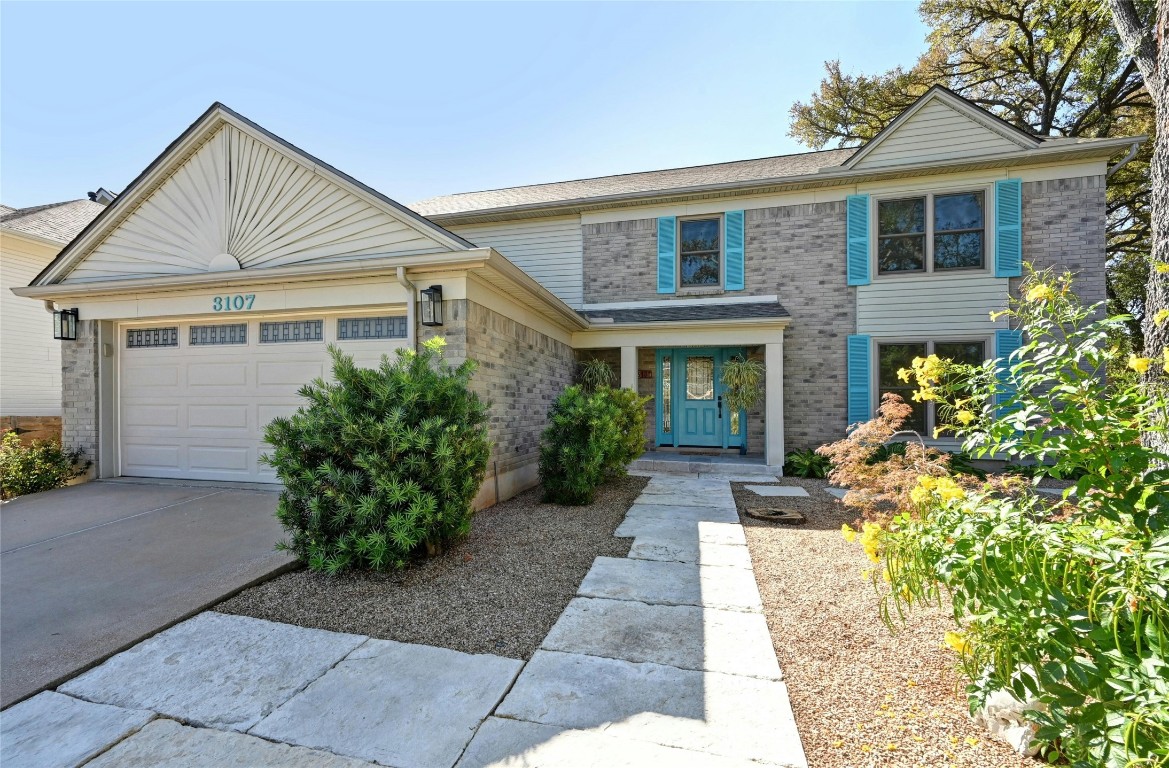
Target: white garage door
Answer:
[[195, 397]]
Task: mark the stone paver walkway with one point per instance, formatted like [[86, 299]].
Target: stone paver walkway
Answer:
[[663, 658]]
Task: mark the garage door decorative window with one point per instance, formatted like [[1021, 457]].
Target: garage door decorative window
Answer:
[[350, 328], [293, 330], [229, 333], [152, 337]]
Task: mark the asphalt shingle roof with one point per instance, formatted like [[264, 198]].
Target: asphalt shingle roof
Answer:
[[60, 222], [688, 312], [631, 183]]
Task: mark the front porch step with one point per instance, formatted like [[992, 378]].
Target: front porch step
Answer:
[[721, 465]]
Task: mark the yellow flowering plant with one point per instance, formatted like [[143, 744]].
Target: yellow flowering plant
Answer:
[[1066, 600]]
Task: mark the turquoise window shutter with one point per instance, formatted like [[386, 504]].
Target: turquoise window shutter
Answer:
[[667, 253], [1008, 228], [858, 239], [1005, 343], [735, 276], [860, 399]]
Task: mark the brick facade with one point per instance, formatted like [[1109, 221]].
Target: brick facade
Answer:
[[79, 391], [1064, 226], [621, 261], [521, 371]]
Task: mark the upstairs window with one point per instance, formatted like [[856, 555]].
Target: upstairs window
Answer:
[[931, 233], [700, 252]]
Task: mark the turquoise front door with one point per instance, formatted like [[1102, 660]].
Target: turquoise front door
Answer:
[[690, 399]]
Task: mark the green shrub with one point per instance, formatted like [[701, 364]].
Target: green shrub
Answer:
[[589, 436], [1066, 601], [41, 466], [630, 423], [807, 463], [382, 463]]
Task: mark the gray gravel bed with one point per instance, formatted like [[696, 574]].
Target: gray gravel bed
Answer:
[[499, 591], [862, 695]]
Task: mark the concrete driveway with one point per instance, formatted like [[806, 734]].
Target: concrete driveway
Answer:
[[88, 570]]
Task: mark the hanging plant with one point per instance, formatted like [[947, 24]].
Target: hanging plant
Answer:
[[595, 374], [742, 380]]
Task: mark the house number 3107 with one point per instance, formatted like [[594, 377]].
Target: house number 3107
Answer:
[[239, 301]]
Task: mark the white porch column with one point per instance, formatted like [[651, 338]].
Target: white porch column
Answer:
[[629, 368], [773, 361]]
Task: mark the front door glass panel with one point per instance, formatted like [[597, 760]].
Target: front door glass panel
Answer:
[[700, 378], [667, 399]]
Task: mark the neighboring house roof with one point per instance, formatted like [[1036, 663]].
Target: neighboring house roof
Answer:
[[59, 222], [6, 209], [632, 183], [744, 311]]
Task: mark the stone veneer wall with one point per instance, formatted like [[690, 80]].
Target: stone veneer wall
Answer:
[[1064, 226], [79, 391], [621, 261]]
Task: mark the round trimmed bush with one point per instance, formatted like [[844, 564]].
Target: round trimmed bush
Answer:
[[381, 463]]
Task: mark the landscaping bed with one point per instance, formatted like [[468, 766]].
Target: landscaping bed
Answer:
[[862, 695], [498, 591]]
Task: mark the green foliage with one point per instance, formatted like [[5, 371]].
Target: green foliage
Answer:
[[41, 466], [382, 463], [630, 424], [1064, 600], [594, 374], [742, 380], [590, 435], [806, 463]]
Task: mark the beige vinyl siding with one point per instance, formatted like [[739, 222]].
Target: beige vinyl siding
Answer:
[[239, 196], [30, 360], [936, 132], [913, 306], [550, 250]]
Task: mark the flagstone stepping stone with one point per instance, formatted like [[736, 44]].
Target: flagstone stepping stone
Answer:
[[399, 704], [167, 744], [680, 512], [688, 550], [663, 528], [661, 583], [684, 636], [837, 492], [727, 715], [501, 743], [777, 490], [52, 730], [215, 670]]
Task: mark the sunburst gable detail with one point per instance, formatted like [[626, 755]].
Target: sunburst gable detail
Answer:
[[241, 196]]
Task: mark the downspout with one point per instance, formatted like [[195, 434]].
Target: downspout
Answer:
[[1132, 152], [50, 306], [411, 309]]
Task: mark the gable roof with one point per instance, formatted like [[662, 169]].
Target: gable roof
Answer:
[[58, 222], [172, 159], [634, 183], [964, 107]]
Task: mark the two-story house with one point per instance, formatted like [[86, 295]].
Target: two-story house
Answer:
[[207, 293]]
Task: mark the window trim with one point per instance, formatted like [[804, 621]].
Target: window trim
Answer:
[[718, 287], [987, 268], [988, 353]]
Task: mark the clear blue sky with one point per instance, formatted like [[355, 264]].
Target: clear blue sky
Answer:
[[418, 100]]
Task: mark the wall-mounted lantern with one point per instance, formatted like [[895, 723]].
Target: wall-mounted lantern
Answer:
[[432, 305], [65, 324]]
